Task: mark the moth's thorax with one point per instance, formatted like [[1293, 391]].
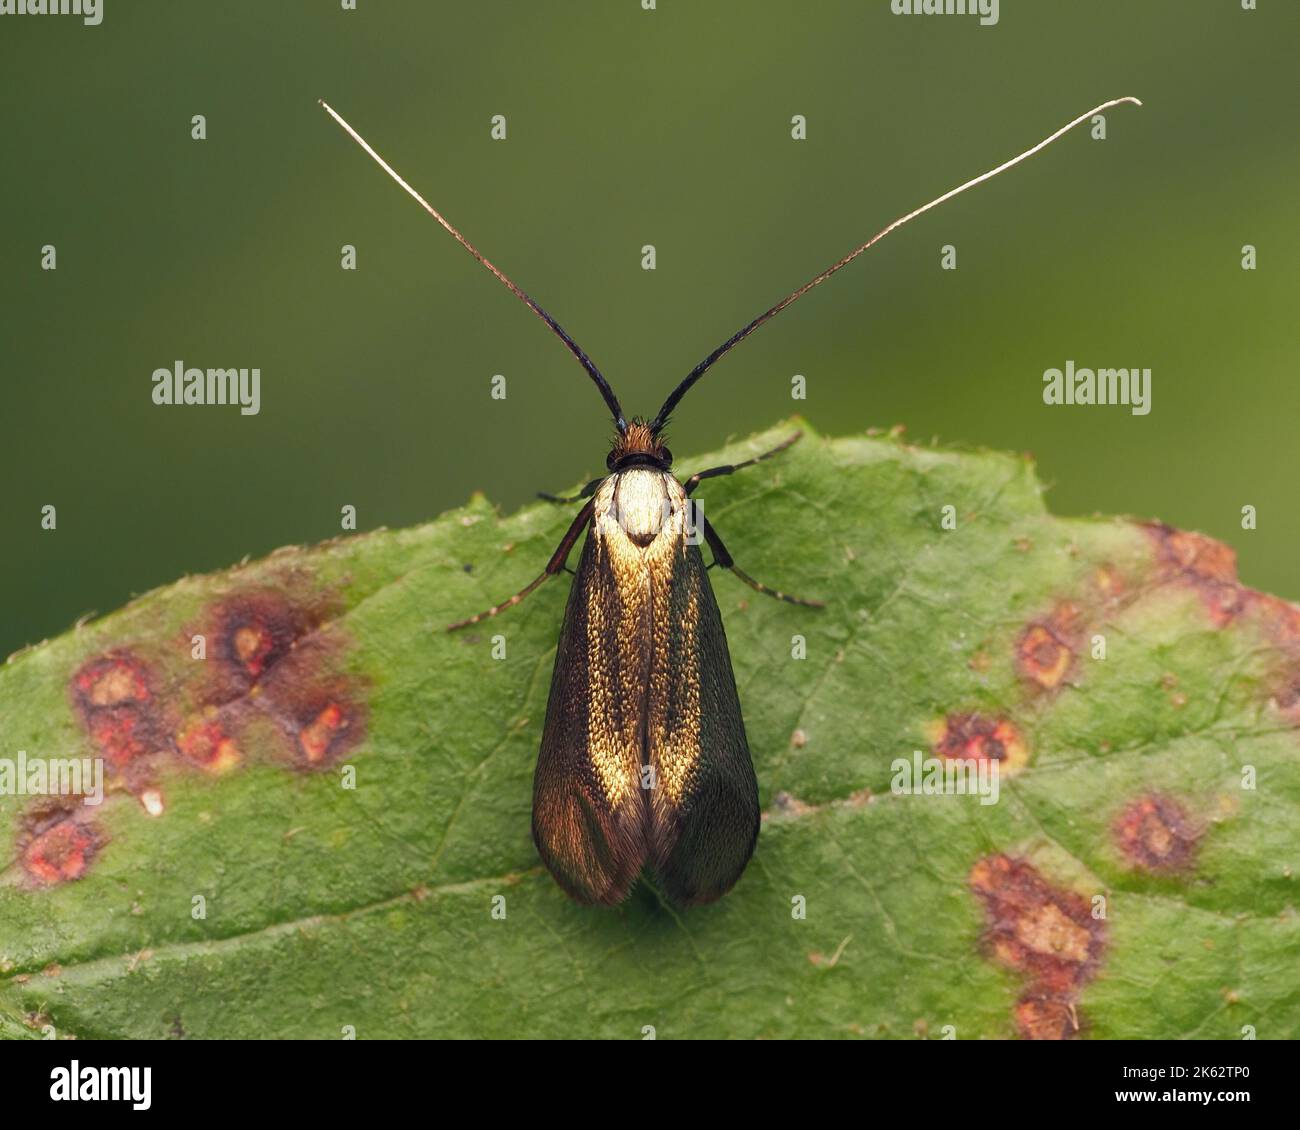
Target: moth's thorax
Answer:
[[643, 503]]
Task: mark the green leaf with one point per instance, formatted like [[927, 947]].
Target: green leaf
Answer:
[[230, 886]]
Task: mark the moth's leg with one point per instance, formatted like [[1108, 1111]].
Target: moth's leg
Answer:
[[723, 558], [731, 469], [555, 565], [586, 492]]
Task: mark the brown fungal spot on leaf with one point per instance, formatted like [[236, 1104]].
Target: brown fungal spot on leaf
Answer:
[[1224, 602], [319, 736], [1209, 567], [1281, 617], [1046, 648], [271, 656], [322, 723], [252, 645], [113, 695], [972, 736], [1046, 933], [1046, 1018], [1183, 551], [322, 711], [204, 742], [1280, 621], [1042, 657], [1155, 834], [116, 679], [57, 843], [252, 632], [122, 735], [277, 657]]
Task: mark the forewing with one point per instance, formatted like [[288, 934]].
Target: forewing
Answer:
[[588, 804], [704, 806]]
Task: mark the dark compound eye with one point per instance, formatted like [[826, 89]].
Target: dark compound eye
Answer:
[[609, 461], [666, 454]]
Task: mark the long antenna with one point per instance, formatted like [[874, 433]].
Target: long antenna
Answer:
[[557, 329], [695, 374]]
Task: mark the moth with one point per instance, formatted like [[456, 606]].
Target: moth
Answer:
[[644, 765]]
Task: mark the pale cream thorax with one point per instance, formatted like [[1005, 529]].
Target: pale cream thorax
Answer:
[[639, 506]]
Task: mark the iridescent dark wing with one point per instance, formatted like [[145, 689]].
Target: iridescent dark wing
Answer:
[[704, 806], [588, 804]]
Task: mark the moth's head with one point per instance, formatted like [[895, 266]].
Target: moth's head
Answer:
[[638, 445]]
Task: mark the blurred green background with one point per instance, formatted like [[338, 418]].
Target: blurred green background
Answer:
[[625, 127]]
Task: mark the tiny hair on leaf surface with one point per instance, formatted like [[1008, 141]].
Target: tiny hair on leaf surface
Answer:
[[1134, 879]]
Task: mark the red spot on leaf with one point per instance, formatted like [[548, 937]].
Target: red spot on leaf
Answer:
[[253, 632], [325, 734], [252, 645], [1044, 932], [114, 697], [1046, 1018], [319, 707], [275, 659], [1281, 617], [1280, 621], [1193, 554], [316, 736], [57, 845], [203, 742], [121, 735], [1207, 566], [978, 737], [1046, 648], [117, 679], [1156, 834]]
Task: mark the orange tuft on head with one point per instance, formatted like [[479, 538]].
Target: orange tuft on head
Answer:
[[638, 444]]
